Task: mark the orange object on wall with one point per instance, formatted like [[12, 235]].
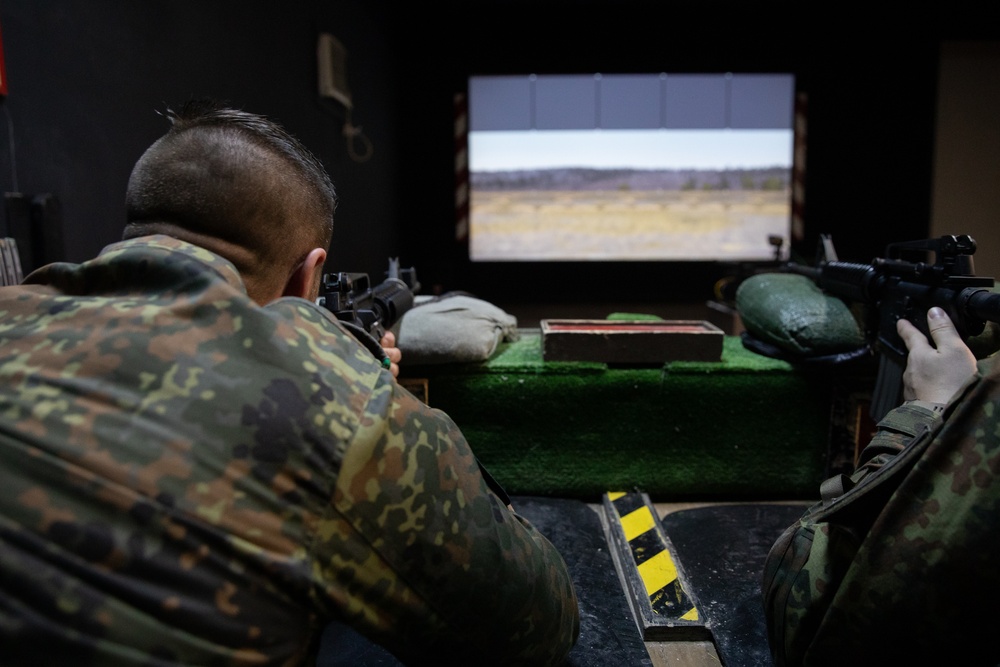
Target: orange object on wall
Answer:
[[3, 70]]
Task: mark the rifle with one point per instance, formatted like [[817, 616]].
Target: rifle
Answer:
[[366, 311], [893, 287]]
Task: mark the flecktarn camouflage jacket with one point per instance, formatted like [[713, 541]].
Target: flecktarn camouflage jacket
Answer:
[[188, 478], [900, 565]]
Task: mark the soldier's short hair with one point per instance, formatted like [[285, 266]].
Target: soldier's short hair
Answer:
[[235, 176]]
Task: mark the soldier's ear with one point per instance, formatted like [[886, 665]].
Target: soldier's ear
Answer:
[[305, 279]]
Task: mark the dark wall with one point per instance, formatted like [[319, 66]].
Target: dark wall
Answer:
[[86, 77]]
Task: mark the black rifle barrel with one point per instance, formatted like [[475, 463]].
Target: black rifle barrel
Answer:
[[864, 283], [847, 280], [981, 303], [391, 300]]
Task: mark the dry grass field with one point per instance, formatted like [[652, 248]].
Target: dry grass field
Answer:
[[629, 225]]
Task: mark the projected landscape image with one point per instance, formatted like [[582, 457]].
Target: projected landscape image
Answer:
[[646, 167], [612, 215]]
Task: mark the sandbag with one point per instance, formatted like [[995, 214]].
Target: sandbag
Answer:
[[455, 328], [791, 312]]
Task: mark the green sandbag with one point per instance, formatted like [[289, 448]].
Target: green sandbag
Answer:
[[790, 312]]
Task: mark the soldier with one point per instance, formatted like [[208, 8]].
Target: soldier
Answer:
[[199, 465], [897, 563]]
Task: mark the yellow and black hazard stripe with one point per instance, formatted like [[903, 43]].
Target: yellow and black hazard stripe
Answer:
[[648, 565]]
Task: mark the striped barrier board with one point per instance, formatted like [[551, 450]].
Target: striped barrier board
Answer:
[[661, 600], [461, 111]]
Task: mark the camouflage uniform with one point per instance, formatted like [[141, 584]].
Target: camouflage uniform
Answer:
[[188, 478], [904, 572]]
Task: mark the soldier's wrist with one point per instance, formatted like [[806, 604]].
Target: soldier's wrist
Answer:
[[936, 408]]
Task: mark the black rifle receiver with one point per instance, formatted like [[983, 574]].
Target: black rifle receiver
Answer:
[[366, 311], [894, 287]]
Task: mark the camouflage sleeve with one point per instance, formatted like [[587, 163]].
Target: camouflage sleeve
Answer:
[[902, 424], [892, 434], [426, 560]]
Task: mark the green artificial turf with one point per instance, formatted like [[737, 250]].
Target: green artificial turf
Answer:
[[745, 427]]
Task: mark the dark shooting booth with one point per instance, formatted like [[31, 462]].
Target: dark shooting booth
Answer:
[[596, 180]]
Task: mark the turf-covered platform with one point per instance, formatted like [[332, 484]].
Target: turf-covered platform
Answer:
[[745, 427]]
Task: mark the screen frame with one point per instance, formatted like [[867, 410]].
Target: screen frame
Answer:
[[579, 281]]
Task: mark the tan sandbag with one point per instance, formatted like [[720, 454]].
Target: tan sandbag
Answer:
[[456, 328]]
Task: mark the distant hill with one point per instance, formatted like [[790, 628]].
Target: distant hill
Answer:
[[766, 178]]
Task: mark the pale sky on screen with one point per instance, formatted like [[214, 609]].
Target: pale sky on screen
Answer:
[[638, 149]]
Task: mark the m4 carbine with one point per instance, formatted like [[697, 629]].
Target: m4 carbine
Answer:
[[366, 311], [895, 287]]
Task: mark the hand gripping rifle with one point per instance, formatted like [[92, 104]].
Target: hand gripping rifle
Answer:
[[893, 287], [366, 311]]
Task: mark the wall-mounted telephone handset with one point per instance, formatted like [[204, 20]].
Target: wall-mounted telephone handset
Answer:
[[331, 59]]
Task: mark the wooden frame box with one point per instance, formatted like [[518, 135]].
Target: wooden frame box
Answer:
[[631, 341]]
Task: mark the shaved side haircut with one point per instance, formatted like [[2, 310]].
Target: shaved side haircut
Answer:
[[236, 182]]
